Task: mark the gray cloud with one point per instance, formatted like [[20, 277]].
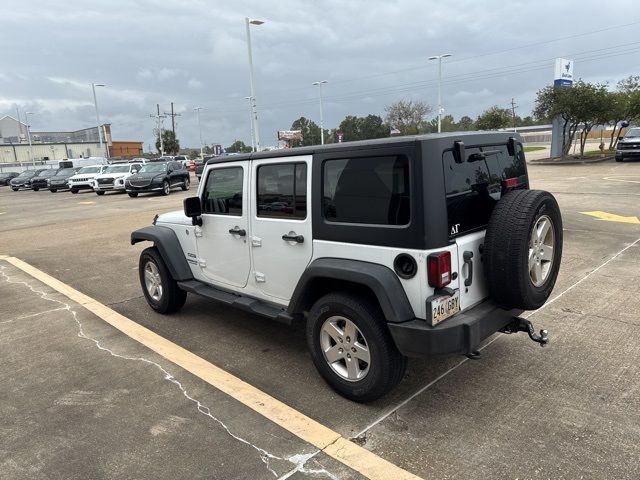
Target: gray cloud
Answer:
[[372, 53]]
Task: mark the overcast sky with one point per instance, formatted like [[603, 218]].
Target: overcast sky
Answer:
[[371, 52]]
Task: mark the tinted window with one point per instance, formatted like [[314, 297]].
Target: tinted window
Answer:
[[282, 190], [223, 192], [474, 186], [370, 190]]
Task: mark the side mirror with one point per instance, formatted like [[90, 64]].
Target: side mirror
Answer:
[[458, 151], [193, 209]]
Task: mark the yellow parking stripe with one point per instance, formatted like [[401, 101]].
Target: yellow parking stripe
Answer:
[[330, 442]]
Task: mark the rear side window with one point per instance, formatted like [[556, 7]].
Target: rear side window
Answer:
[[474, 186], [282, 191], [223, 192], [367, 190]]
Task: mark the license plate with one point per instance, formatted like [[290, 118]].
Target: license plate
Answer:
[[443, 307]]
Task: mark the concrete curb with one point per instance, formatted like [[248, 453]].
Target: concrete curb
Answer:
[[548, 161]]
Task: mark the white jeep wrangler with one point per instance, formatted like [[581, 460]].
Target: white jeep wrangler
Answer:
[[389, 248]]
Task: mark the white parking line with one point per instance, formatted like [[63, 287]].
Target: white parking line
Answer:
[[530, 314], [622, 180]]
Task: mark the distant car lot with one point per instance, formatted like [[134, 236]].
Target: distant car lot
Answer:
[[571, 407]]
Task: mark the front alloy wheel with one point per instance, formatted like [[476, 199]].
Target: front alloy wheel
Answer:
[[185, 185], [166, 189], [152, 281], [159, 287]]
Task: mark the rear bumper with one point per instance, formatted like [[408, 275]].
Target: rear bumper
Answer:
[[461, 333]]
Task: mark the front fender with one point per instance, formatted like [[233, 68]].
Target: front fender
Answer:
[[167, 243]]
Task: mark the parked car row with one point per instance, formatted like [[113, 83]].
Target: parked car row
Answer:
[[133, 177]]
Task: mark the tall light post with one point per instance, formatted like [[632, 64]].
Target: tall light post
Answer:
[[439, 58], [26, 118], [254, 111], [95, 104], [319, 84], [253, 143], [197, 110]]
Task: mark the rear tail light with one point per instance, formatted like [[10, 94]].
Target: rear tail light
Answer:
[[439, 269], [509, 183]]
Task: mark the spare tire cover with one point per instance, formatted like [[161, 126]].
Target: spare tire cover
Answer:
[[523, 248]]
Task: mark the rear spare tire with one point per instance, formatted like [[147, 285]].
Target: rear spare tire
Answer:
[[523, 248]]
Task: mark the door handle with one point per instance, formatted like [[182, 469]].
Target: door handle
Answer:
[[237, 231], [467, 256], [293, 238]]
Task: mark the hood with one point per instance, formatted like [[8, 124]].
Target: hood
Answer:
[[146, 176], [84, 175], [60, 177], [629, 140], [174, 217], [112, 175]]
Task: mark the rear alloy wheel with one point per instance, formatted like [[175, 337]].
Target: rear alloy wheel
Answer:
[[185, 185], [351, 347], [133, 194], [523, 248], [166, 189], [159, 288]]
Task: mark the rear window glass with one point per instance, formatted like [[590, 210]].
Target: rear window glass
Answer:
[[367, 190], [474, 186]]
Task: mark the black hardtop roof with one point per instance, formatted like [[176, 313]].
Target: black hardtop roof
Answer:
[[469, 138]]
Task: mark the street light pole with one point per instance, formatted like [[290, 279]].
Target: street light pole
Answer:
[[197, 110], [95, 104], [253, 143], [439, 58], [26, 117], [319, 84], [254, 110]]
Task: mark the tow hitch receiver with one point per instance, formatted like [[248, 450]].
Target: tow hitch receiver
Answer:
[[522, 325]]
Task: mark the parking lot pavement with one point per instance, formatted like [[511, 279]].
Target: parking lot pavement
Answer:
[[81, 400], [565, 411]]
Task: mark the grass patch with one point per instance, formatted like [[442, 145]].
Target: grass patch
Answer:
[[533, 149]]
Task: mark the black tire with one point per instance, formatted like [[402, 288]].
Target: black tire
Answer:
[[387, 365], [53, 190], [507, 247], [619, 159], [35, 189], [15, 189], [100, 193], [172, 298], [74, 190], [133, 194], [166, 188], [185, 185]]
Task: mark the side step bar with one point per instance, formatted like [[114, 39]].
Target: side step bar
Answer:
[[247, 304]]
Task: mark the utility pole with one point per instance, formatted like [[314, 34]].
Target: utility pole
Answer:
[[440, 109], [513, 112], [19, 123], [197, 110], [173, 119], [159, 118]]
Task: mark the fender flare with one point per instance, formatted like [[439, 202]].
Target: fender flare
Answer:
[[382, 281], [167, 243]]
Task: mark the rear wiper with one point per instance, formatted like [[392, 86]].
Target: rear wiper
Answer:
[[476, 157]]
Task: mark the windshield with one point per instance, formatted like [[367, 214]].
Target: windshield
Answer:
[[117, 169], [26, 174], [66, 171], [89, 170], [632, 133], [154, 167], [48, 173]]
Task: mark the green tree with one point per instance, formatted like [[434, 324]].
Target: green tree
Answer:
[[582, 105], [238, 147], [617, 109], [494, 118], [363, 128], [466, 123], [310, 133], [407, 116], [170, 143], [193, 154]]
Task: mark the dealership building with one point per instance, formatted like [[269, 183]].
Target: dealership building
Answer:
[[50, 145]]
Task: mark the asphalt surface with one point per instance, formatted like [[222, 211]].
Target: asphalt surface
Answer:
[[74, 408]]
